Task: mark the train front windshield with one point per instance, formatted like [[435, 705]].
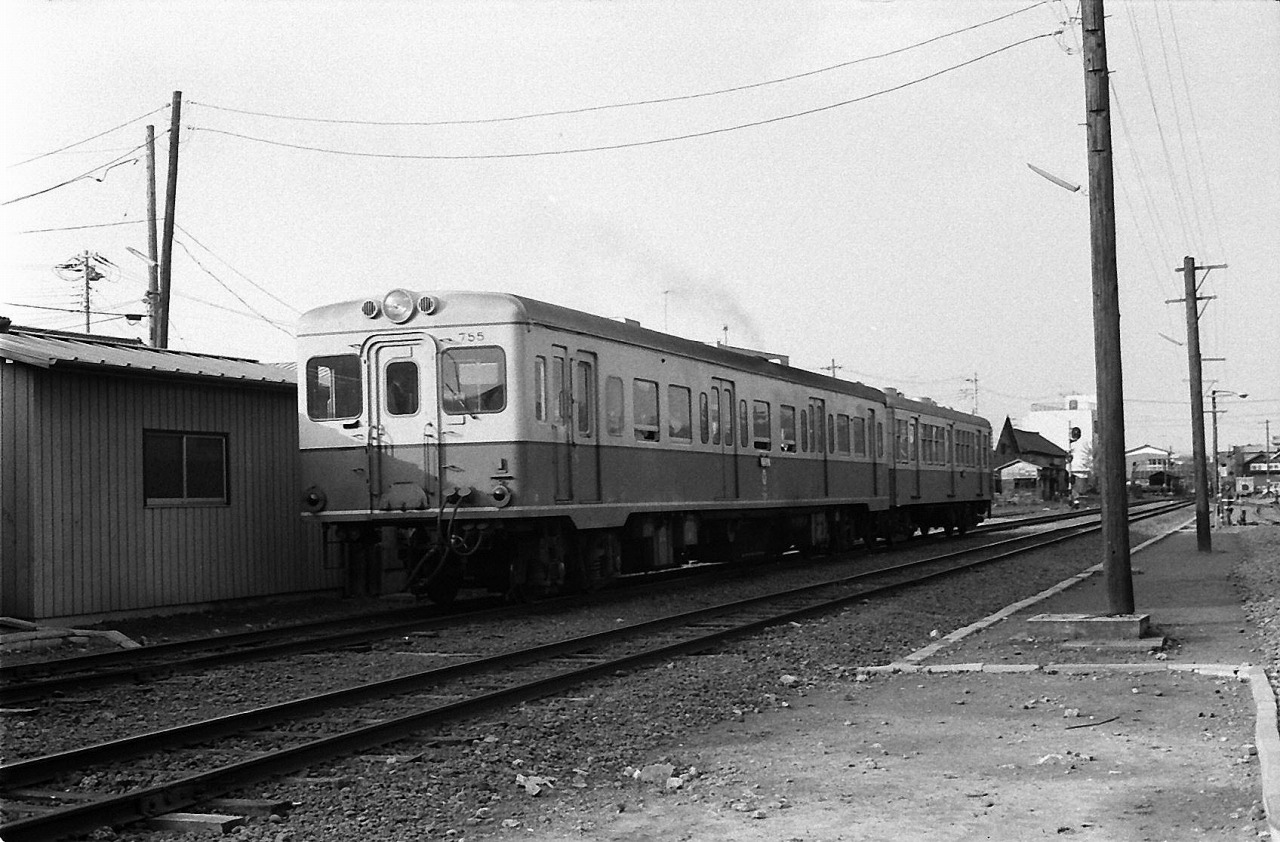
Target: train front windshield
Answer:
[[473, 381]]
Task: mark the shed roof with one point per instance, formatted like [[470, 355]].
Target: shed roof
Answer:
[[47, 348]]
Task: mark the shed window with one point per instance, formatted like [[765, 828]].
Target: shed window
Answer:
[[474, 380], [333, 387], [680, 412], [184, 468], [644, 409]]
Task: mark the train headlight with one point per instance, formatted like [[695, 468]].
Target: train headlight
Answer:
[[398, 305], [501, 496]]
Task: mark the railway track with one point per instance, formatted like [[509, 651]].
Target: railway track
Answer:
[[34, 681], [269, 741], [24, 683]]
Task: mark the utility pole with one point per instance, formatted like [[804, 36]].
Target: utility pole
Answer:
[[1204, 541], [1106, 314], [974, 381], [1217, 472], [83, 265], [170, 200], [153, 270], [833, 368]]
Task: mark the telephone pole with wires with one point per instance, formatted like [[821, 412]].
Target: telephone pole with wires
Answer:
[[83, 269], [833, 368], [170, 200]]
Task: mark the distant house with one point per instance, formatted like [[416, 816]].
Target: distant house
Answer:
[[1147, 465], [1029, 465], [134, 478], [1071, 423]]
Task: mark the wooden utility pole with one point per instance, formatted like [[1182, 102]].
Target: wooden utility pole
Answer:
[[153, 270], [170, 199], [833, 368], [1106, 315], [1204, 541]]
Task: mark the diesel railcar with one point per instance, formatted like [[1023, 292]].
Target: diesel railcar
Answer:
[[527, 448]]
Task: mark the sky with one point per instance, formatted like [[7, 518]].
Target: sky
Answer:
[[846, 183]]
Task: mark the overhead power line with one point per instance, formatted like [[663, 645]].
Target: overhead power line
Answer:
[[87, 139], [225, 286], [252, 282], [82, 227], [630, 144], [631, 104], [122, 159]]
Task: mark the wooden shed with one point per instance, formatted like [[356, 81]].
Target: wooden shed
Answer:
[[137, 478]]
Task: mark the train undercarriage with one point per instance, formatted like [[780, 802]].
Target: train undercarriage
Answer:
[[538, 558]]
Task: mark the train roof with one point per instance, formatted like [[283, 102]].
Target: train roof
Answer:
[[48, 348], [477, 308]]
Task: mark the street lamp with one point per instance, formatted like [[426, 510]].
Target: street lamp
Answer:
[[1213, 400]]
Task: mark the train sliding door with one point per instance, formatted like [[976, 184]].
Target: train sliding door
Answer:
[[575, 425], [724, 436]]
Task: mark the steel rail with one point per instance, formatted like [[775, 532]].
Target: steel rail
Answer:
[[18, 684], [192, 789]]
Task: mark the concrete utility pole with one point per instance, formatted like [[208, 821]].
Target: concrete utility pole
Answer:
[[153, 270], [170, 200], [1106, 315], [1204, 541], [833, 368]]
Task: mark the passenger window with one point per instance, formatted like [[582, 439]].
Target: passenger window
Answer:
[[842, 433], [680, 412], [762, 428], [787, 428], [584, 389], [644, 409], [557, 395], [726, 412], [880, 439], [743, 420], [831, 434], [613, 411], [540, 388], [804, 431], [704, 418], [402, 387], [714, 414], [859, 436]]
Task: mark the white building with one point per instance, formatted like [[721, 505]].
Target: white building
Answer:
[[1071, 424]]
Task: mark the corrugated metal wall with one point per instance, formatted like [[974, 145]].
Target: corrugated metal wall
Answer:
[[94, 544]]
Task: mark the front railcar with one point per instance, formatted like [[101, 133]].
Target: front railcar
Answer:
[[409, 428]]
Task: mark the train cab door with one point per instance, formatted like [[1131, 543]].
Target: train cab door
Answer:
[[874, 442], [725, 436], [818, 435], [583, 429], [404, 422]]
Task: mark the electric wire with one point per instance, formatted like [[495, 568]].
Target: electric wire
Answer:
[[225, 286], [87, 139], [252, 282], [1195, 133], [630, 144], [82, 227], [630, 104], [1143, 181], [1177, 122], [1155, 110], [87, 174]]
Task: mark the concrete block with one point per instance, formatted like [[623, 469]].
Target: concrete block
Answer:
[[1092, 626]]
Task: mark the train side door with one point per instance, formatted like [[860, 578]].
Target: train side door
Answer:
[[913, 453], [558, 391], [583, 429], [404, 422], [873, 448], [950, 456], [818, 438], [724, 436]]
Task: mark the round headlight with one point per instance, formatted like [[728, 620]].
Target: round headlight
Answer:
[[398, 305], [371, 309]]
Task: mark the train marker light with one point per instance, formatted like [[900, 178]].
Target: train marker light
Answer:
[[371, 309], [398, 305], [428, 304]]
